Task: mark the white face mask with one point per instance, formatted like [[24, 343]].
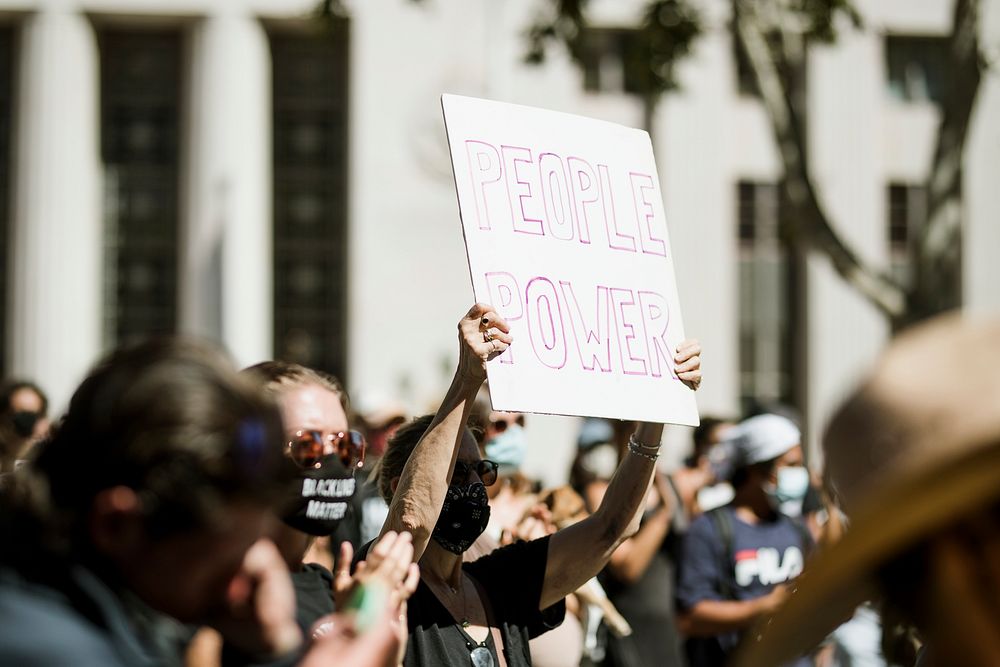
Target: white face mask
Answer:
[[793, 482]]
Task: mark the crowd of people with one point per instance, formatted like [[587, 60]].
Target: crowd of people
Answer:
[[186, 513]]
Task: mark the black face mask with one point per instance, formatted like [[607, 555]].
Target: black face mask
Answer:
[[321, 498], [464, 516], [24, 422]]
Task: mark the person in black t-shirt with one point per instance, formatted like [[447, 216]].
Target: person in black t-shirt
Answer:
[[314, 407], [434, 480]]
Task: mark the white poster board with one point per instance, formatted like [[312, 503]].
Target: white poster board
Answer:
[[567, 239]]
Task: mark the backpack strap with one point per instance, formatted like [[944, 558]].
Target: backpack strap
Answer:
[[724, 529]]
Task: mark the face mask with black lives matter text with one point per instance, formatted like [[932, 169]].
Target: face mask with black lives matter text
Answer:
[[322, 497]]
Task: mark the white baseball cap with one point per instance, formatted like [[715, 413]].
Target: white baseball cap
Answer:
[[761, 438]]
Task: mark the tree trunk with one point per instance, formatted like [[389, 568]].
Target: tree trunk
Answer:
[[807, 222], [937, 249]]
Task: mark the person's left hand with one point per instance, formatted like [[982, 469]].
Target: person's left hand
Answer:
[[390, 559], [260, 617], [687, 363]]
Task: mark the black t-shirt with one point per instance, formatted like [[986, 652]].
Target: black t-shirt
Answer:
[[511, 578], [313, 599], [647, 604], [313, 594]]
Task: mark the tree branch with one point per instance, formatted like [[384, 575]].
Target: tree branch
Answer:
[[808, 221], [937, 251]]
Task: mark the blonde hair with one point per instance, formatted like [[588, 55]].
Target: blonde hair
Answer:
[[281, 376]]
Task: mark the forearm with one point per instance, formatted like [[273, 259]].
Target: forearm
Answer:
[[578, 552], [621, 508], [416, 503], [713, 617], [633, 556]]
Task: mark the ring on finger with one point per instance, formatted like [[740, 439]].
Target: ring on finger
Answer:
[[493, 345], [487, 336]]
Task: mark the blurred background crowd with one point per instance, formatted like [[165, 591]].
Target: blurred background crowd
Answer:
[[273, 175]]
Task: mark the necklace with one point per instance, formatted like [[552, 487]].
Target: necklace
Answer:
[[455, 591]]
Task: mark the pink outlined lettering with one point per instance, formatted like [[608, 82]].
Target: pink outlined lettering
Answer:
[[558, 208], [579, 169], [541, 289], [484, 168], [505, 296], [616, 239], [655, 319], [622, 298], [641, 184], [595, 345], [512, 157]]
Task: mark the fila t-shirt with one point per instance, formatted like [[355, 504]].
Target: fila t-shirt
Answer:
[[760, 556]]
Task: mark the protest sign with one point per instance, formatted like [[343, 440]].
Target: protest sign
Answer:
[[567, 239]]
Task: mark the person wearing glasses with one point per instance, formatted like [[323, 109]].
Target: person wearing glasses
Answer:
[[483, 613], [326, 454]]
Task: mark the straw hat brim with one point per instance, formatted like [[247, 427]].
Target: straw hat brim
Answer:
[[890, 521]]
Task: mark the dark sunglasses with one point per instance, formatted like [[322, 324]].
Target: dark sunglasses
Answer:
[[309, 448], [486, 469], [500, 425]]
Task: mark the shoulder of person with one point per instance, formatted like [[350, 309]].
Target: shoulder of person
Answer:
[[360, 554], [511, 554], [798, 524], [703, 526], [40, 626], [319, 571]]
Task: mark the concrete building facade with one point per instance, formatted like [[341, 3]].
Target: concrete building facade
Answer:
[[385, 279]]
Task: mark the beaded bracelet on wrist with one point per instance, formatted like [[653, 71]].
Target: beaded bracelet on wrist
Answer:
[[640, 445], [632, 447]]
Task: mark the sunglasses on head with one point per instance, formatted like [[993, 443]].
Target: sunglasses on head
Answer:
[[500, 425], [486, 469], [308, 448]]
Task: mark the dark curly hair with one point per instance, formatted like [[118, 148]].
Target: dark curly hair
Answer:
[[170, 419]]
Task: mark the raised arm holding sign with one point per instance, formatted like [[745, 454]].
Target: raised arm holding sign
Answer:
[[567, 240], [582, 319], [507, 596]]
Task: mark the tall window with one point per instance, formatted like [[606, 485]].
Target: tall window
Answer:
[[768, 276], [611, 57], [6, 136], [140, 118], [907, 214], [916, 68], [310, 197]]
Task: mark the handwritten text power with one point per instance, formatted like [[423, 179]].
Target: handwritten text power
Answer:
[[616, 330], [559, 197]]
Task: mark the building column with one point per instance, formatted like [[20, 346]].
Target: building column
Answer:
[[56, 237], [226, 258]]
